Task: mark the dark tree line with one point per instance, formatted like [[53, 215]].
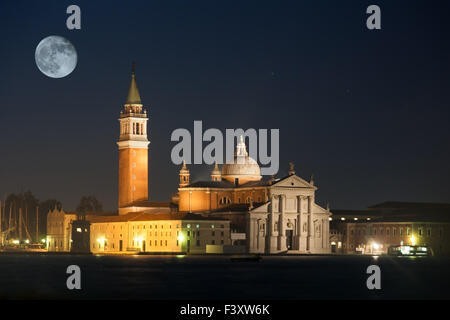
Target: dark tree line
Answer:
[[28, 212]]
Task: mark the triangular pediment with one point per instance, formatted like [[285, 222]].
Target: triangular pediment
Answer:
[[293, 181]]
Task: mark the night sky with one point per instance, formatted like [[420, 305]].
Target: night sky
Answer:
[[365, 111]]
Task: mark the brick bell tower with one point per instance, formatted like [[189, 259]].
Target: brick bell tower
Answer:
[[133, 149]]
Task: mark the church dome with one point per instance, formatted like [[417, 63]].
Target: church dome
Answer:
[[244, 167]]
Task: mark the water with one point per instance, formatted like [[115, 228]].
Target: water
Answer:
[[44, 276]]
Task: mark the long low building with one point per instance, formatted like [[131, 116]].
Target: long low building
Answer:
[[142, 232], [374, 230]]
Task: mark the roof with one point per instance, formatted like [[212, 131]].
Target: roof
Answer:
[[133, 92], [401, 212], [226, 184], [239, 207], [150, 204], [142, 216], [409, 205]]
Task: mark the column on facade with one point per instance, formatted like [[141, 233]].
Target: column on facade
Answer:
[[310, 225], [272, 234], [282, 223], [299, 222]]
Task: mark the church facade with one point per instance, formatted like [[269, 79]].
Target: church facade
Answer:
[[272, 216]]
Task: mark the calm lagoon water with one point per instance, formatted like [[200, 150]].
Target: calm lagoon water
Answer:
[[33, 276]]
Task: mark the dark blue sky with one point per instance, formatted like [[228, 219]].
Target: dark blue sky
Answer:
[[366, 111]]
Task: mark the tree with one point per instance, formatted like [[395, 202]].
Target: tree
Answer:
[[89, 204]]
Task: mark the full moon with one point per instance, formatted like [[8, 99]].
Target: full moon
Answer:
[[56, 57]]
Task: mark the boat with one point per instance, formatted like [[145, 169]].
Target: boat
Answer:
[[404, 250], [246, 258]]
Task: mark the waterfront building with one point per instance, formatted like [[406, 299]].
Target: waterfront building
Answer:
[[374, 230]]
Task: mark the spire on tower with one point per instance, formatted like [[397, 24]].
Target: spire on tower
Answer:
[[133, 92]]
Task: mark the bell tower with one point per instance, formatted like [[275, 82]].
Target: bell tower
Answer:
[[133, 148]]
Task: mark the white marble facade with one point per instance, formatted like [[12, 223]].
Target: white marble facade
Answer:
[[291, 221]]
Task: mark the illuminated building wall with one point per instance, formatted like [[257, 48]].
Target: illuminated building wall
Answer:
[[59, 230], [205, 199], [376, 237]]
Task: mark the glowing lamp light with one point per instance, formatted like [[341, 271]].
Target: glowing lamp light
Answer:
[[376, 246], [27, 241], [101, 240], [330, 219], [43, 240], [16, 241], [413, 240], [343, 219], [180, 237]]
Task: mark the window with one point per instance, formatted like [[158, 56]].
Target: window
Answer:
[[381, 232], [198, 243], [408, 231], [213, 233], [387, 232], [420, 231], [401, 231], [166, 243], [222, 234], [221, 241], [394, 231]]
